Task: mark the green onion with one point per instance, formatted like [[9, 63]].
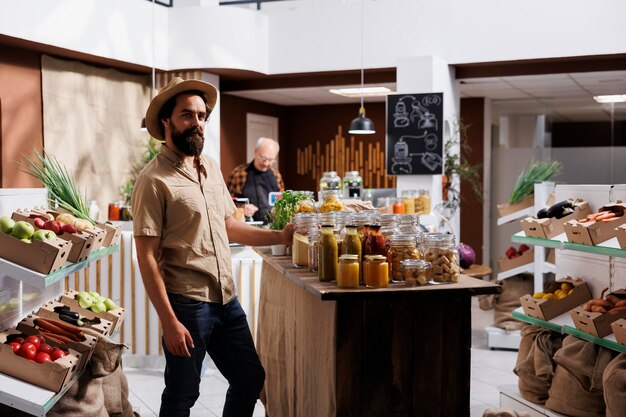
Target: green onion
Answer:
[[536, 172]]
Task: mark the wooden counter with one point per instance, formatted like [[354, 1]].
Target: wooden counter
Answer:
[[397, 351]]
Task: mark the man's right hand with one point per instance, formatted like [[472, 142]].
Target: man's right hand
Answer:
[[249, 210], [177, 339]]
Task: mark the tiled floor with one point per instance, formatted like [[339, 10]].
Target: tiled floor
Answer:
[[489, 370]]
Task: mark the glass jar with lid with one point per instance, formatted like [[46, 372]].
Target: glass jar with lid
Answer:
[[304, 223], [313, 249], [351, 243], [416, 272], [376, 271], [308, 204], [328, 255], [389, 226], [401, 248], [352, 184], [422, 202], [361, 219], [408, 199], [348, 271], [384, 205], [330, 181], [398, 206], [373, 242], [440, 251], [409, 224], [330, 201]]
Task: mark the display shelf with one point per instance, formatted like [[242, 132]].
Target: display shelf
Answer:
[[528, 211], [607, 248], [608, 342], [498, 338], [549, 267], [557, 324], [29, 398], [42, 281], [510, 397], [528, 268], [520, 237]]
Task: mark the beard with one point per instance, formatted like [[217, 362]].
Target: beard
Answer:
[[190, 141]]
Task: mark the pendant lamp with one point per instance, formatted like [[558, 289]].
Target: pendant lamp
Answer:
[[362, 125]]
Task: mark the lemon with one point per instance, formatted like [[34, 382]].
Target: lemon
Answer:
[[538, 295], [549, 296], [565, 286], [570, 292]]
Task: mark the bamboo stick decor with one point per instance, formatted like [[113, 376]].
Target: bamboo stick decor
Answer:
[[341, 155]]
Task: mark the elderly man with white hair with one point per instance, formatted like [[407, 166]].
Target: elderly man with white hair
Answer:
[[255, 180]]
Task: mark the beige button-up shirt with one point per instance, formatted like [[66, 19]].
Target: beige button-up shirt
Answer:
[[188, 214]]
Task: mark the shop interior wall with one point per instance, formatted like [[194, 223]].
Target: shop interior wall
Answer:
[[20, 113]]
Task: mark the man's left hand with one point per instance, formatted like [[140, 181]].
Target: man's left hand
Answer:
[[286, 235]]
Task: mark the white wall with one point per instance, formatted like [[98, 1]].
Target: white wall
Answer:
[[309, 36]]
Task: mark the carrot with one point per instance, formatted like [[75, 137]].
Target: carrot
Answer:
[[598, 309], [53, 328], [65, 326], [620, 303], [612, 219], [587, 307], [605, 216], [62, 340], [616, 310]]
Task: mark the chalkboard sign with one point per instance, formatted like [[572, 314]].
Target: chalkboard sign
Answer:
[[415, 134]]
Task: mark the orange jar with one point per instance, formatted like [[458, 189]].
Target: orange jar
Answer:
[[348, 271], [376, 271], [398, 206]]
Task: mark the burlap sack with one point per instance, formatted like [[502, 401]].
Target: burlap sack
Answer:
[[577, 384], [488, 301], [535, 364], [614, 382], [513, 289], [504, 412]]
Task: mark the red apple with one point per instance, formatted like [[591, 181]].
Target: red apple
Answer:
[[16, 346], [42, 357], [39, 222], [45, 348], [27, 351], [69, 228], [56, 354], [34, 340], [52, 225]]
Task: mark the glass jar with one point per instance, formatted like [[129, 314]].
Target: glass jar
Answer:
[[351, 243], [408, 199], [376, 271], [348, 271], [384, 205], [416, 272], [409, 224], [313, 249], [398, 206], [327, 218], [304, 223], [362, 219], [389, 226], [373, 242], [352, 185], [422, 202], [328, 255], [330, 201], [401, 248], [441, 252], [114, 211], [307, 205], [330, 181]]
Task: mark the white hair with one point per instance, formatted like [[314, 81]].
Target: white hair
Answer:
[[261, 141]]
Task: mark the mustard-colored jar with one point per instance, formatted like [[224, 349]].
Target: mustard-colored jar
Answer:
[[328, 255], [376, 271], [348, 271]]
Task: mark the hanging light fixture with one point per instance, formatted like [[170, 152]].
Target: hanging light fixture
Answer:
[[362, 125]]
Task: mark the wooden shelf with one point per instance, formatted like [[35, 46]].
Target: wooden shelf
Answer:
[[528, 211]]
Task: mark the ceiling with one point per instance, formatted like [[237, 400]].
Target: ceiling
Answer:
[[563, 97]]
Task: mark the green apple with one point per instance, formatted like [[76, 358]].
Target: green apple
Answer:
[[44, 235], [26, 240], [110, 304], [6, 224], [98, 308], [23, 230], [85, 300]]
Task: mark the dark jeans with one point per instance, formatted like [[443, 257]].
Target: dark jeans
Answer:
[[221, 331]]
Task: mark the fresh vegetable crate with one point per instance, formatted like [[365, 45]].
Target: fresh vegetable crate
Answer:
[[47, 311], [619, 329], [98, 235], [548, 309], [597, 324], [525, 258], [593, 233], [113, 234], [85, 348], [549, 228], [49, 375], [620, 232], [43, 257], [506, 209], [114, 316]]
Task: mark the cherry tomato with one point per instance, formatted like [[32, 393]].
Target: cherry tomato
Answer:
[[42, 340], [27, 351], [18, 339], [42, 357], [56, 354], [16, 346], [34, 340], [45, 348]]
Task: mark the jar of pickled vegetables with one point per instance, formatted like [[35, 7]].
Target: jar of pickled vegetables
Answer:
[[376, 271], [304, 223], [422, 202], [348, 271], [331, 201], [313, 249], [373, 241], [398, 206], [440, 251], [362, 219], [308, 204], [408, 199], [416, 272], [328, 255], [402, 247]]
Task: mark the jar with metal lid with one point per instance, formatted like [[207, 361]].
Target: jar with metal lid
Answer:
[[304, 223], [409, 224], [352, 184], [313, 249], [408, 199], [308, 204], [384, 205], [401, 248], [327, 218], [328, 255], [330, 201], [440, 251], [416, 272], [422, 202], [341, 219], [348, 271], [376, 271], [389, 226], [330, 181], [373, 242]]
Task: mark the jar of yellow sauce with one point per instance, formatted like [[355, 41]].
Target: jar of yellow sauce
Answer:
[[348, 271], [376, 271]]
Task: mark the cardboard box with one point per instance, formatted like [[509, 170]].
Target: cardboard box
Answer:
[[85, 348], [116, 317], [43, 257], [98, 235], [525, 258], [620, 232], [113, 234], [548, 309], [597, 324], [104, 327], [593, 233], [619, 329], [506, 209], [49, 375], [548, 228]]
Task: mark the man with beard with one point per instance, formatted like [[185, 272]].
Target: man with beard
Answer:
[[182, 225]]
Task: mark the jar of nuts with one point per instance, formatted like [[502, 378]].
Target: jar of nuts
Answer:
[[416, 272], [401, 248], [441, 252]]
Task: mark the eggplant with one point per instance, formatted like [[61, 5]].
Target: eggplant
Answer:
[[67, 312], [543, 213], [70, 320], [557, 209]]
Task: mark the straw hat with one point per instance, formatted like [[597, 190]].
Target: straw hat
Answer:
[[176, 86]]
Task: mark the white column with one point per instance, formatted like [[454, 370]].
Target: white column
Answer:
[[212, 130]]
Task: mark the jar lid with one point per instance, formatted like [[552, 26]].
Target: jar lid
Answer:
[[352, 173], [416, 264], [375, 258], [439, 238], [402, 239], [348, 257], [328, 226]]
